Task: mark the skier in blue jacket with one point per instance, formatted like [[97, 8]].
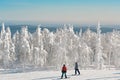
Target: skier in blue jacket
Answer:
[[76, 68]]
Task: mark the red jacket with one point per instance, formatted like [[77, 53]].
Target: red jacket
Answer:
[[64, 69]]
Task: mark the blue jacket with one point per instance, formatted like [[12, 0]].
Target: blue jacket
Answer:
[[76, 65]]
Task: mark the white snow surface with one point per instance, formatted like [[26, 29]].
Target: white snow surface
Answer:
[[55, 75]]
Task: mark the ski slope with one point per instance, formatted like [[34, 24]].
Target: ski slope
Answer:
[[55, 75]]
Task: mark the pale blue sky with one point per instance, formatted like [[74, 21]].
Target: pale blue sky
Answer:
[[61, 11]]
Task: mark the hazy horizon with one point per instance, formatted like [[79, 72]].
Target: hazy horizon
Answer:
[[35, 23]]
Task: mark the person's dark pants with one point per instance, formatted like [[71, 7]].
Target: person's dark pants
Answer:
[[63, 73], [77, 70]]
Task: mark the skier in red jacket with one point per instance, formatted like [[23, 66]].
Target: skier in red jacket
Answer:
[[64, 71]]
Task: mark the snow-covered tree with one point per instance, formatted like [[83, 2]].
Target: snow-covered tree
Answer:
[[44, 48]]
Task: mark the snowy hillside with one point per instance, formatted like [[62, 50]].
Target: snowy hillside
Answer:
[[55, 75]]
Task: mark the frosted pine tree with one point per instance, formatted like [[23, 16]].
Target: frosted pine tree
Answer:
[[2, 31], [5, 46], [40, 54], [24, 47], [16, 42], [99, 58], [89, 38], [116, 47], [11, 47], [37, 44]]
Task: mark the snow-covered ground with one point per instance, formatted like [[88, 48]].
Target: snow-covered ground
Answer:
[[55, 75]]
